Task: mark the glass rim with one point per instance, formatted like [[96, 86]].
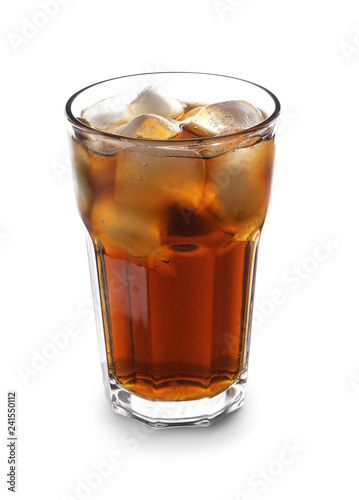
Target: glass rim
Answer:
[[168, 142]]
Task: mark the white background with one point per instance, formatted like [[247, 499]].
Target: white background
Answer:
[[303, 389]]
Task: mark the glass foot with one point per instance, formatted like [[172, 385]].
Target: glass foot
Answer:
[[161, 413]]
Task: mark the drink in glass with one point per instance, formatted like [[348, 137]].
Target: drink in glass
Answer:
[[173, 175]]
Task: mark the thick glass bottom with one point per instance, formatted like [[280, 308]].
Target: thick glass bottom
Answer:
[[163, 413]]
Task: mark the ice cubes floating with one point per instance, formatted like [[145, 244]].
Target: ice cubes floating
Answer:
[[225, 117], [128, 193], [155, 114]]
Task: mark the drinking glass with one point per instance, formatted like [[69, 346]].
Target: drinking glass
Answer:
[[173, 228]]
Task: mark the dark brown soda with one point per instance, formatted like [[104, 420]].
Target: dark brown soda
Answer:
[[178, 335], [176, 316]]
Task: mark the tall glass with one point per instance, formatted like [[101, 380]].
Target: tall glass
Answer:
[[173, 228]]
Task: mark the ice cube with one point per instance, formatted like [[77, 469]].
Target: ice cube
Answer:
[[81, 165], [151, 127], [97, 144], [98, 169], [224, 117], [110, 112], [83, 194], [138, 232], [154, 181], [238, 184], [155, 100]]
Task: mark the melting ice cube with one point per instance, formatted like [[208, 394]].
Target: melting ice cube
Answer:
[[154, 181], [224, 117], [110, 112], [238, 184], [151, 127], [139, 232], [155, 100]]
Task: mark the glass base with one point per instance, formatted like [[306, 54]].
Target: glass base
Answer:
[[161, 413]]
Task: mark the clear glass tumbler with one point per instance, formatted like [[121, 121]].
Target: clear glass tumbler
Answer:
[[173, 227]]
